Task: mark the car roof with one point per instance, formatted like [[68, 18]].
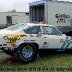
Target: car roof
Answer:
[[26, 25], [33, 24]]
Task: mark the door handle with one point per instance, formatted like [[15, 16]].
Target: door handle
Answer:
[[44, 37]]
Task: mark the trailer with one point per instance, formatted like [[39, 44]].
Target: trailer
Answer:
[[11, 18], [57, 13]]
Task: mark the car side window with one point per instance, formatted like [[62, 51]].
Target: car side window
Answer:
[[33, 30], [50, 30], [47, 30], [55, 31]]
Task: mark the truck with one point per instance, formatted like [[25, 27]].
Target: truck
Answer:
[[57, 13]]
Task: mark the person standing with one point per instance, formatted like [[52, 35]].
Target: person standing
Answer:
[[42, 20]]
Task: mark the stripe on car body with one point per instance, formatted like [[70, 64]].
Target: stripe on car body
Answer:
[[64, 43], [68, 43]]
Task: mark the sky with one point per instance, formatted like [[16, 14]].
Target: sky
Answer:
[[19, 5]]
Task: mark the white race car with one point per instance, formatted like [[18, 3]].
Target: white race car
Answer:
[[24, 43]]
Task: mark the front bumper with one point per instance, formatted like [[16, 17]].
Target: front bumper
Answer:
[[8, 51]]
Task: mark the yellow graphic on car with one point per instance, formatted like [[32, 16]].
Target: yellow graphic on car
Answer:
[[12, 38]]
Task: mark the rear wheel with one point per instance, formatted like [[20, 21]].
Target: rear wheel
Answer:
[[26, 52]]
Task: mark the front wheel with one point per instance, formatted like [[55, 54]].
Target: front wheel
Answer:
[[26, 52]]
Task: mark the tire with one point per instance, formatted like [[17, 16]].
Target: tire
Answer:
[[25, 52]]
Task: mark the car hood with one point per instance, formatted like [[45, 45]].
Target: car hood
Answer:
[[3, 32]]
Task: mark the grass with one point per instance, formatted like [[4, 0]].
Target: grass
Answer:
[[47, 62]]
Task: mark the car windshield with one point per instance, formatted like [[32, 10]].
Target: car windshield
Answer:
[[16, 27], [50, 30]]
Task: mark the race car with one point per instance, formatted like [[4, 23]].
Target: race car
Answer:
[[25, 43]]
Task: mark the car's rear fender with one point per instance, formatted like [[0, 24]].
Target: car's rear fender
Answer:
[[32, 43]]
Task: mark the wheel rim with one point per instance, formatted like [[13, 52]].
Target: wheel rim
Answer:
[[27, 51]]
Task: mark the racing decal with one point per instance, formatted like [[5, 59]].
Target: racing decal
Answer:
[[45, 45], [63, 45], [21, 35], [29, 40], [11, 40], [66, 42]]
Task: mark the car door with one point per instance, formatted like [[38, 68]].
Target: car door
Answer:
[[53, 38], [33, 31]]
